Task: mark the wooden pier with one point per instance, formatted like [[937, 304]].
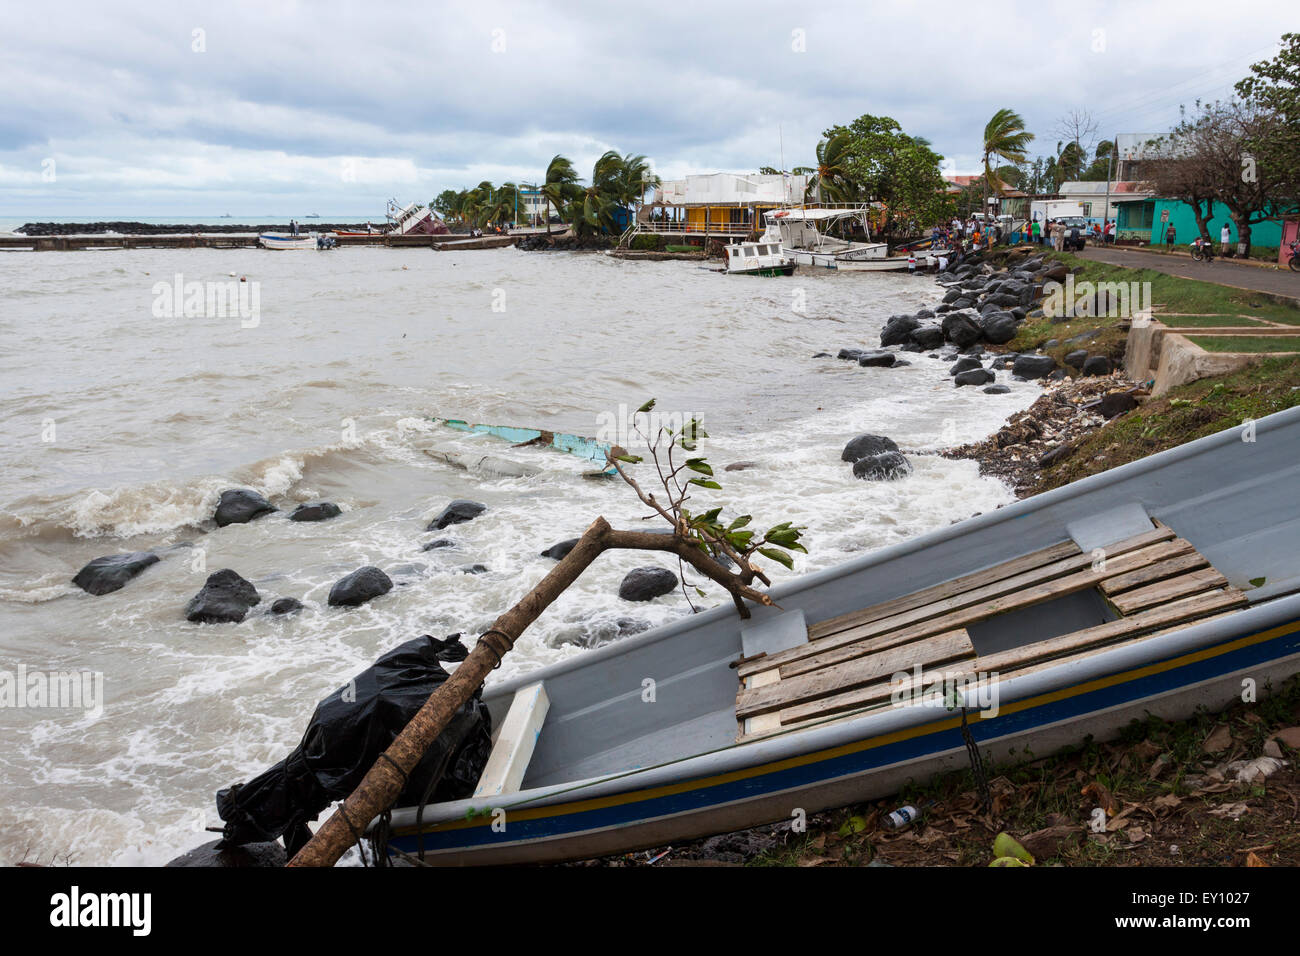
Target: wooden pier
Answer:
[[239, 240]]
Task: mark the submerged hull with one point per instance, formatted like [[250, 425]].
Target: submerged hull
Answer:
[[611, 774], [268, 241], [785, 270]]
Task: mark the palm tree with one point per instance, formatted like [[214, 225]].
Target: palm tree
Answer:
[[633, 179], [1004, 138], [831, 179], [560, 184]]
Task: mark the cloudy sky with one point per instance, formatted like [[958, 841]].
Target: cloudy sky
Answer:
[[285, 108]]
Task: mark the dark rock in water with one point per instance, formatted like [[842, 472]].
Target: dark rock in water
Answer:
[[315, 511], [899, 363], [877, 357], [886, 466], [924, 314], [898, 329], [559, 550], [1003, 361], [285, 606], [822, 355], [865, 445], [975, 376], [1116, 403], [472, 569], [927, 336], [1033, 366], [1097, 365], [458, 512], [964, 365], [850, 355], [249, 855], [1057, 454], [1076, 358], [740, 465], [1000, 327], [359, 587], [224, 598], [961, 329], [239, 506], [111, 572], [997, 389], [646, 584], [952, 295], [438, 544], [1059, 375]]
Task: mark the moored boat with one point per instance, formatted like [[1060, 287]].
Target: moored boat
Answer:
[[271, 240], [1155, 588]]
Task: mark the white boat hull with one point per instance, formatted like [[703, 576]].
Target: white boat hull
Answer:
[[270, 241]]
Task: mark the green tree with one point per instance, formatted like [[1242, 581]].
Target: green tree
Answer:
[[560, 184], [1274, 88], [830, 179], [1004, 138], [883, 164]]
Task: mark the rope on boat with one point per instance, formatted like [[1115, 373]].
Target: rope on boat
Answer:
[[976, 763]]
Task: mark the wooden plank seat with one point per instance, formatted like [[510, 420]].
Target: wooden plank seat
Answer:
[[1152, 582]]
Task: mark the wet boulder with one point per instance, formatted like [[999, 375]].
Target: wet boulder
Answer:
[[214, 854], [438, 544], [225, 598], [560, 550], [111, 572], [359, 587], [646, 584], [961, 329], [285, 605], [964, 364], [240, 506], [1033, 366], [929, 336], [849, 355], [865, 445], [886, 466], [975, 376], [1116, 403], [472, 569], [1000, 327], [315, 511], [879, 358], [1076, 358], [458, 512], [997, 389], [898, 329]]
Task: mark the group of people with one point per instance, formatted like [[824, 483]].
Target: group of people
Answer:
[[972, 234]]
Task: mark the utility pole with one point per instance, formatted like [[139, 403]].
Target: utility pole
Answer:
[[1105, 210]]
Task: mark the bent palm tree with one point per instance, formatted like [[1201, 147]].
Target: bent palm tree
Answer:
[[831, 180], [1004, 138], [559, 186]]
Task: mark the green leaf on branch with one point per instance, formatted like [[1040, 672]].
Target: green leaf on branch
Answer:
[[705, 483], [699, 465], [646, 407], [631, 459], [740, 523], [780, 557]]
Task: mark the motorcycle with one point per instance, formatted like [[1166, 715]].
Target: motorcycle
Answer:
[[1295, 256], [1202, 251]]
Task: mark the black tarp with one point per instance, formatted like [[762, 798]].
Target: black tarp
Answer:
[[348, 731]]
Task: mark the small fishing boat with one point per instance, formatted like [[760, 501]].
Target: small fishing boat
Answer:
[[271, 240], [802, 233], [1155, 588], [758, 259], [583, 447]]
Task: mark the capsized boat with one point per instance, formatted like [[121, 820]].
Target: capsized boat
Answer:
[[1157, 587], [588, 448], [758, 259]]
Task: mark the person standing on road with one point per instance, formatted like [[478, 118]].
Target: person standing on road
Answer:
[[1171, 235], [1036, 233], [1225, 237]]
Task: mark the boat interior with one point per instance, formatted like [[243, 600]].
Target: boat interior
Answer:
[[1016, 591]]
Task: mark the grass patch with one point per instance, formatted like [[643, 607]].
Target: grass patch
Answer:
[[680, 248], [1208, 321], [1188, 412], [1247, 343]]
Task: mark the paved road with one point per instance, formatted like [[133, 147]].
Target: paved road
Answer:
[[1221, 271]]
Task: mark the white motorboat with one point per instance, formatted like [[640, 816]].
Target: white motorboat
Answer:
[[271, 240], [801, 233], [759, 259]]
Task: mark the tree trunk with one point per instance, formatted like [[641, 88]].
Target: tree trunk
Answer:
[[383, 783]]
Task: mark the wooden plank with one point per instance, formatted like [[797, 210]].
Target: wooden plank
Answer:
[[1090, 639], [1155, 572], [796, 717], [1162, 592], [936, 650], [514, 746], [975, 606], [920, 598], [1005, 578]]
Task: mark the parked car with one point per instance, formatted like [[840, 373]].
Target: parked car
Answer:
[[1076, 232]]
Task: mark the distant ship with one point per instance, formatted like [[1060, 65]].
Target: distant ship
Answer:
[[226, 216], [314, 215]]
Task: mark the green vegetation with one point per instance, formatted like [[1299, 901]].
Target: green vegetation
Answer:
[[1247, 343], [1209, 321], [1188, 412]]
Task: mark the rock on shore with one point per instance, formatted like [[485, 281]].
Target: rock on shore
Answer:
[[225, 598]]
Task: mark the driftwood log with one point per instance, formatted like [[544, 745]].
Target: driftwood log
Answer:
[[381, 786]]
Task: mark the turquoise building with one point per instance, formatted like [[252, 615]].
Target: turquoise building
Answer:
[[1142, 220]]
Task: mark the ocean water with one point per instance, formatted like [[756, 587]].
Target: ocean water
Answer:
[[122, 423]]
